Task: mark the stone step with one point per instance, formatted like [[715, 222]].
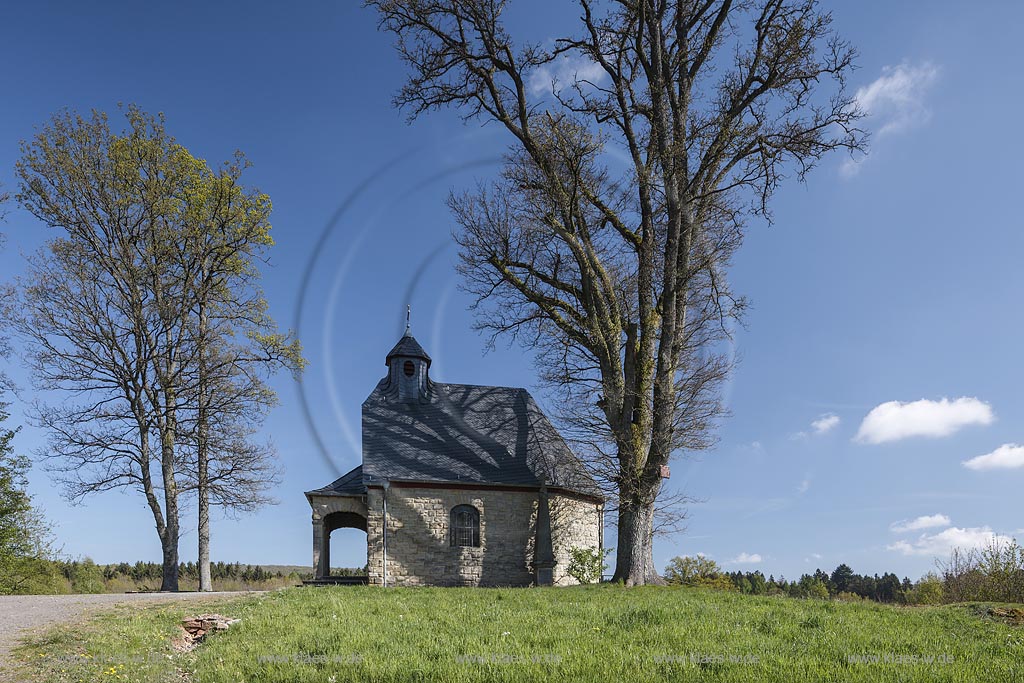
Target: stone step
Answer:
[[338, 581]]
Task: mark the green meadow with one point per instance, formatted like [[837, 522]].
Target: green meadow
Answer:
[[595, 633]]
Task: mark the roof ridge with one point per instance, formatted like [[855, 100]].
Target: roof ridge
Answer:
[[481, 386]]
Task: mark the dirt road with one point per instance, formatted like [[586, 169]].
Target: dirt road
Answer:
[[21, 615]]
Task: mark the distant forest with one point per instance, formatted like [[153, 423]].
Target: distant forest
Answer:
[[993, 573], [85, 576]]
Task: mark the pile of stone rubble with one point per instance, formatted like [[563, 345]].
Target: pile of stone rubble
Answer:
[[195, 629]]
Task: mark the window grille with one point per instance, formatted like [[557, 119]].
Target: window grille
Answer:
[[465, 526]]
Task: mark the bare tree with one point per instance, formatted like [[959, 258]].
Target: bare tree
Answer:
[[605, 241]]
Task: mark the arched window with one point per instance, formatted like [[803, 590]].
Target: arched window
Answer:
[[465, 526], [409, 369]]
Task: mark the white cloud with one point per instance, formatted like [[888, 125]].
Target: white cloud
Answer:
[[823, 425], [1007, 456], [918, 523], [896, 420], [826, 423], [803, 486], [563, 72], [746, 558], [894, 102], [954, 537]]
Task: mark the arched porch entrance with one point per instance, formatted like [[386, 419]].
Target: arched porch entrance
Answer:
[[341, 520], [329, 514]]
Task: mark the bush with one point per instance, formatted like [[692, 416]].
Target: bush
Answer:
[[698, 571], [1003, 567], [587, 565], [688, 571], [718, 583], [847, 596], [85, 576], [927, 591], [30, 576], [817, 590], [809, 587], [993, 574]]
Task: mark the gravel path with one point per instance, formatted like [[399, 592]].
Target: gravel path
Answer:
[[21, 615]]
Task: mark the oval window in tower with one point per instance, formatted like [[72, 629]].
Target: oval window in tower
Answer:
[[409, 369]]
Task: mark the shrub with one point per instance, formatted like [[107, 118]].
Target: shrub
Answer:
[[688, 571], [587, 565], [1003, 567], [85, 576], [30, 576], [817, 590], [809, 587], [847, 596], [994, 573], [718, 583], [927, 591], [698, 571]]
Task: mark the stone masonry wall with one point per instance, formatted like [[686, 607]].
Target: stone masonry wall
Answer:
[[419, 550], [574, 524]]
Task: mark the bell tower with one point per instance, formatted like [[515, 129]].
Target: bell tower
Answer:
[[408, 366]]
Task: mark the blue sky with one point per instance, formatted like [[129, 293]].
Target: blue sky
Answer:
[[895, 279]]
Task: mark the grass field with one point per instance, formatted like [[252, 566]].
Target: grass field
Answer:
[[599, 633]]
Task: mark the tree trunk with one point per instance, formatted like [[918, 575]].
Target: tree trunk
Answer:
[[170, 537], [205, 580], [634, 559], [169, 543], [168, 441], [202, 449], [169, 548]]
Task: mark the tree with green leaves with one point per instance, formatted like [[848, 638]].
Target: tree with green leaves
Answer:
[[226, 230], [692, 571], [605, 241], [842, 578], [144, 317], [25, 538]]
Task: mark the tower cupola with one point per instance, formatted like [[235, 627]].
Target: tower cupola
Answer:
[[407, 365]]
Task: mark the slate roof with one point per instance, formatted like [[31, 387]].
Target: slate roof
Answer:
[[466, 433], [348, 484], [460, 433], [407, 346]]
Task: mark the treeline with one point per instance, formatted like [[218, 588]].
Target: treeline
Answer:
[[994, 573], [154, 570], [218, 571], [842, 583], [86, 576]]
